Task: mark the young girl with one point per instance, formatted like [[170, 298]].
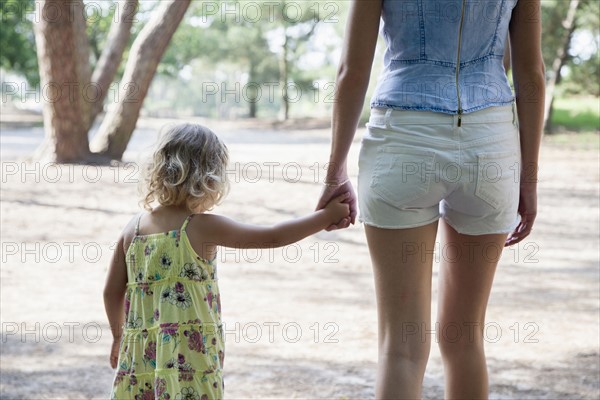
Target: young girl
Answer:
[[168, 344]]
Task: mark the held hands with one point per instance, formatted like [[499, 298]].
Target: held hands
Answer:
[[338, 210], [331, 192]]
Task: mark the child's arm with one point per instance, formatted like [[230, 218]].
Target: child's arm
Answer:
[[114, 294], [226, 232]]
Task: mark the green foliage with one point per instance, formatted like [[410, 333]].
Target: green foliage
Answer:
[[583, 77], [250, 35], [242, 41], [216, 39], [553, 13], [17, 43], [99, 22], [584, 68], [581, 72], [577, 113]]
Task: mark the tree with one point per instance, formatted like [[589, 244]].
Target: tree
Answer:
[[583, 62], [297, 29], [59, 75], [144, 57], [235, 38], [74, 94], [568, 24], [110, 58], [264, 38]]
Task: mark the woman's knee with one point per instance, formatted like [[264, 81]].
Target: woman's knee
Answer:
[[460, 343], [411, 350]]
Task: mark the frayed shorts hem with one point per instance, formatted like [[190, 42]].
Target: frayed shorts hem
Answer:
[[414, 225], [458, 229], [479, 232]]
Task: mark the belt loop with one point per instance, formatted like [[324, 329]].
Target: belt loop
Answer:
[[388, 117], [515, 115]]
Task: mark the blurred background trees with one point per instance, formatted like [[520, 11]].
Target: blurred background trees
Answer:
[[75, 75], [233, 59], [145, 55], [571, 35], [17, 42]]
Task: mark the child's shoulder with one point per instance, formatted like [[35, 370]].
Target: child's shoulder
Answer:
[[130, 230], [211, 227], [207, 221]]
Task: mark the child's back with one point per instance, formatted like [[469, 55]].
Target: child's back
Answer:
[[172, 341]]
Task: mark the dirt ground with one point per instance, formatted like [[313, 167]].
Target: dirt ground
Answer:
[[300, 321]]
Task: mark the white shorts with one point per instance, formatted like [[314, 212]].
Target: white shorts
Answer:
[[415, 166]]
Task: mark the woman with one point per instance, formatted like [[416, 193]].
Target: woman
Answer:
[[443, 148]]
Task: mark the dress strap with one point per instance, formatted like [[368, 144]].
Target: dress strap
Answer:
[[186, 222], [137, 224]]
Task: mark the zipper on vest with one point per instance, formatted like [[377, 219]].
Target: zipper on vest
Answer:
[[460, 30]]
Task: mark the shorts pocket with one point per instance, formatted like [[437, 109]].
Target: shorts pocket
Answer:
[[497, 177], [402, 174]]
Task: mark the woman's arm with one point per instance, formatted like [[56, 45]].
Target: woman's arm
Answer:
[[529, 79], [222, 231], [351, 86]]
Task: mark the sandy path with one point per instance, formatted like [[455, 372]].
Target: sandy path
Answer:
[[300, 321]]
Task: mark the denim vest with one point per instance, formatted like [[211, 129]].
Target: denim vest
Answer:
[[444, 55]]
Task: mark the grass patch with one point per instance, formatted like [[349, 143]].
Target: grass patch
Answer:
[[577, 113]]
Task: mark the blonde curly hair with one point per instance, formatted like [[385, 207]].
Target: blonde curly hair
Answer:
[[188, 168]]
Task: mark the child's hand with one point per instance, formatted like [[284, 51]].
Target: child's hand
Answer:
[[337, 210], [114, 352]]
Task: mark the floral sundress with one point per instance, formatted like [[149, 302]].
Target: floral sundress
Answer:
[[172, 346]]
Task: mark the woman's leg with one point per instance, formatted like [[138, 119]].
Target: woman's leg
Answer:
[[402, 261], [467, 268]]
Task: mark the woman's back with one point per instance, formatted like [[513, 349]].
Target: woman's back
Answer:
[[444, 55], [173, 339]]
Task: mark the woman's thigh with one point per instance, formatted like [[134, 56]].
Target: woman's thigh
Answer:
[[467, 269], [402, 262]]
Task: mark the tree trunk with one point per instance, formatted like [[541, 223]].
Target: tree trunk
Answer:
[[569, 24], [253, 109], [82, 58], [111, 56], [252, 91], [65, 134], [284, 112], [146, 52]]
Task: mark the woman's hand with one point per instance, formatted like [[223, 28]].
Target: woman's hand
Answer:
[[527, 211], [114, 352], [330, 192]]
